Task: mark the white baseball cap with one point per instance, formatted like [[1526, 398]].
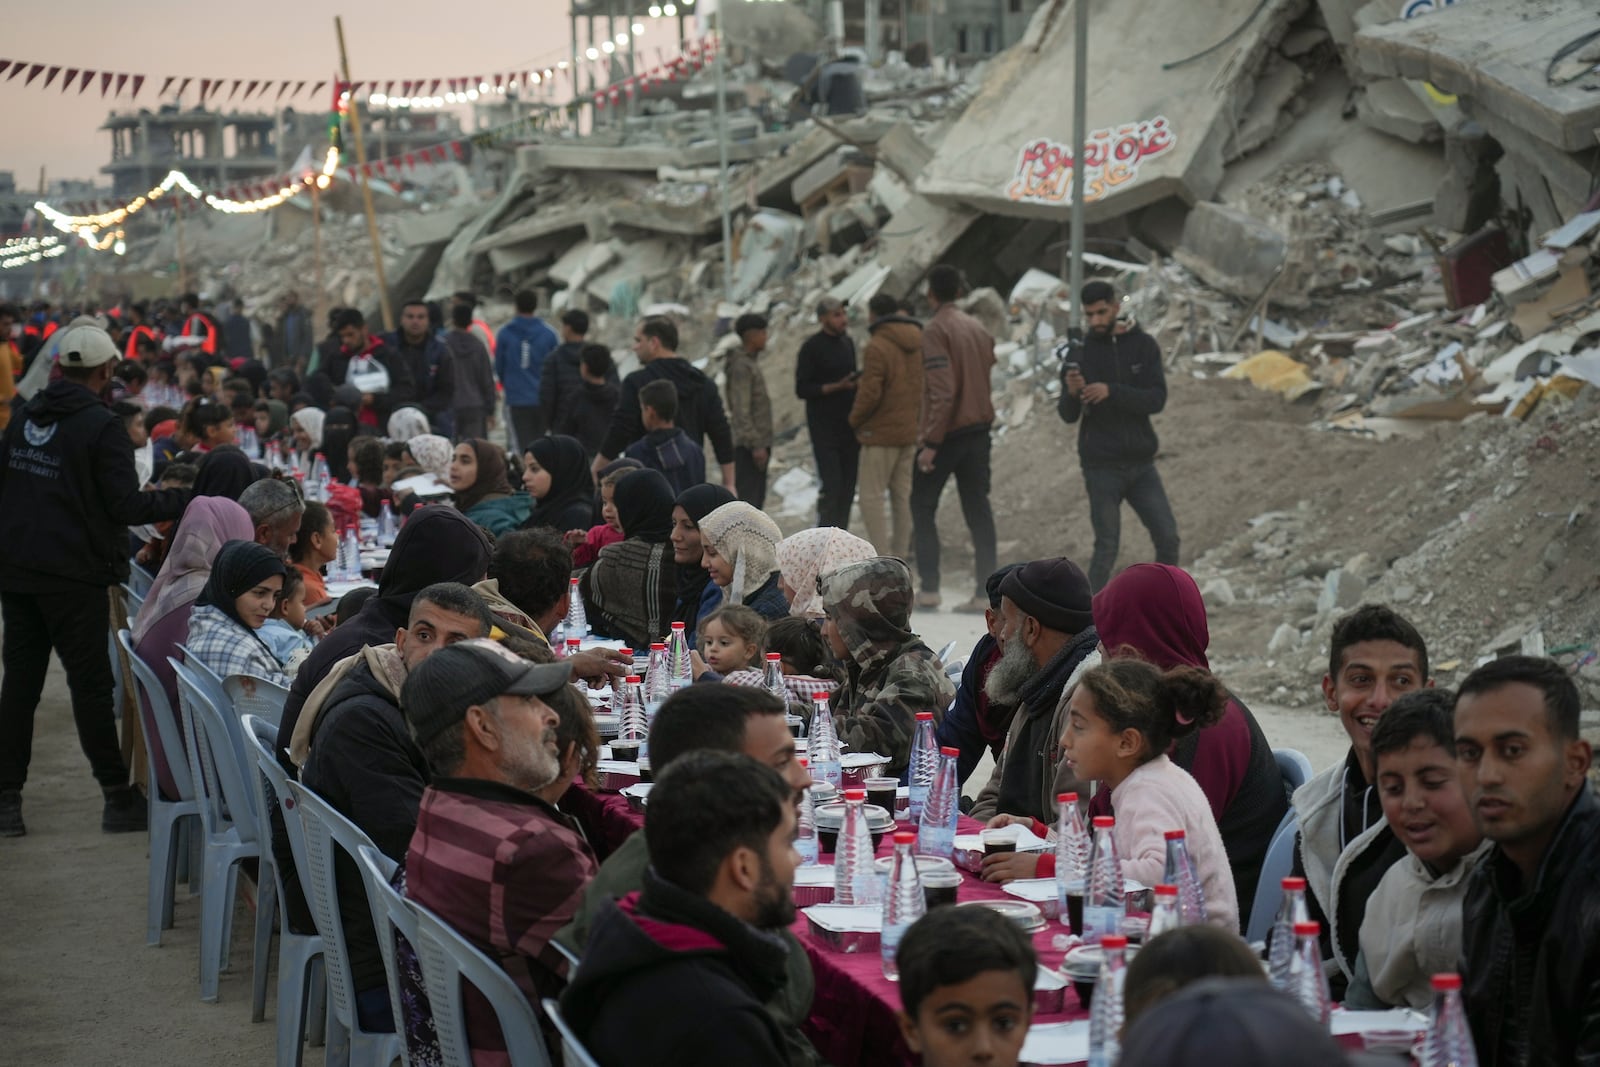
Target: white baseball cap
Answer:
[[85, 346]]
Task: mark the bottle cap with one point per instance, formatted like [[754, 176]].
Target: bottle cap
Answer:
[[632, 679], [1176, 835], [819, 698], [574, 642], [1114, 941], [1294, 885], [774, 657], [626, 651], [1441, 982], [574, 581], [1307, 929], [658, 646], [1166, 890], [1104, 822], [924, 716], [677, 626], [951, 752], [855, 794], [1066, 798], [909, 837], [803, 761]]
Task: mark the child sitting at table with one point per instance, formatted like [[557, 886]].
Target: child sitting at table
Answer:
[[731, 638], [966, 988], [285, 632], [1181, 957], [805, 662], [586, 546]]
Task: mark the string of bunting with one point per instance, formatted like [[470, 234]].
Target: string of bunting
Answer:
[[694, 57]]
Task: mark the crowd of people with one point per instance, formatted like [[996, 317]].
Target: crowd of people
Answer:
[[1458, 833]]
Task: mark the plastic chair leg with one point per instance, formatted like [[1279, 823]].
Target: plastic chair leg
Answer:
[[297, 964], [261, 957], [230, 879], [337, 1052], [317, 1018], [163, 879], [215, 904]]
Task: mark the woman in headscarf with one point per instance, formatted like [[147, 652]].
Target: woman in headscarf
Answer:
[[555, 471], [272, 419], [406, 423], [224, 626], [482, 487], [1157, 611], [432, 453], [163, 623], [307, 425], [225, 471], [739, 546], [629, 591], [697, 593], [338, 430], [807, 556]]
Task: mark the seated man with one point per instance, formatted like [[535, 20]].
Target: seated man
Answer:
[[530, 572], [1531, 959], [679, 973], [890, 675], [1412, 930], [974, 722], [363, 762], [1345, 845], [491, 857], [1047, 641], [735, 719]]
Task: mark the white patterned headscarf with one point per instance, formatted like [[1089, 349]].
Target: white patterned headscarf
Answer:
[[809, 554], [407, 423], [748, 538], [432, 454]]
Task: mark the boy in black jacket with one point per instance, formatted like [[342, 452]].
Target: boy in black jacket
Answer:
[[586, 412], [1111, 387], [664, 447]]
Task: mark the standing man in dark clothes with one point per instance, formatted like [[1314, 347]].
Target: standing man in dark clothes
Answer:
[[560, 380], [429, 362], [1113, 386], [472, 373], [700, 411], [825, 378], [354, 344], [586, 414], [749, 409], [1531, 920], [291, 342], [520, 353], [68, 493], [957, 412], [238, 335]]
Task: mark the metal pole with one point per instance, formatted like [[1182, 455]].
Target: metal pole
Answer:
[[366, 188], [183, 262], [928, 14], [319, 305], [1080, 133], [720, 64]]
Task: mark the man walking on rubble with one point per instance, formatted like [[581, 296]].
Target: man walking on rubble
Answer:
[[1111, 385]]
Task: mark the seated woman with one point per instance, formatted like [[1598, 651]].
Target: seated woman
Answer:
[[162, 624], [802, 557], [482, 490], [406, 423], [890, 675], [555, 471], [306, 426], [239, 597], [739, 546], [315, 546], [629, 590], [364, 461], [697, 593]]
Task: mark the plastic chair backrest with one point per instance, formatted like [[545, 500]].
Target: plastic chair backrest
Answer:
[[256, 696], [224, 778], [1294, 767], [1275, 867], [573, 1054], [449, 962], [271, 787], [158, 719], [208, 678], [325, 831], [132, 602], [572, 958], [392, 917], [140, 580], [946, 652]]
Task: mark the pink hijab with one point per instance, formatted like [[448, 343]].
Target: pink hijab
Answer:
[[208, 523], [811, 554]]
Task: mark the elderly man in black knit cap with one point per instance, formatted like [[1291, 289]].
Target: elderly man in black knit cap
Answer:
[[1047, 640]]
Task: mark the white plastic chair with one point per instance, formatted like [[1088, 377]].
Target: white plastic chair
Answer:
[[1294, 767], [256, 696], [450, 962], [327, 831], [1275, 867], [139, 580], [567, 954], [299, 987], [573, 1054], [174, 823], [392, 918], [227, 816]]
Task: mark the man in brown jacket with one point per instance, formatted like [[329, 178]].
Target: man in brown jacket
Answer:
[[957, 411], [749, 410], [884, 416]]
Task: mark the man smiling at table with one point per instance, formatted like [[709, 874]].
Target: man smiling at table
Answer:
[[679, 972]]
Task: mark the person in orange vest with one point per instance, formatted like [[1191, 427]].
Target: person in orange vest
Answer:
[[197, 323], [479, 328], [138, 326]]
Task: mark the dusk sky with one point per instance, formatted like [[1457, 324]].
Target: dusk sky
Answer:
[[387, 39]]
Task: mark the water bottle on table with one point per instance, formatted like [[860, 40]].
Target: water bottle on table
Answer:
[[388, 529], [824, 743], [1103, 901], [1307, 982], [855, 880], [1105, 1009], [923, 764], [577, 621], [1072, 852], [805, 834], [936, 830], [1292, 910], [1448, 1040], [772, 678], [1164, 914], [903, 902], [680, 671], [1180, 871]]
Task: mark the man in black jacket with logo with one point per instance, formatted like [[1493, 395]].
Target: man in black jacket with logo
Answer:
[[68, 493], [1111, 387], [1531, 919]]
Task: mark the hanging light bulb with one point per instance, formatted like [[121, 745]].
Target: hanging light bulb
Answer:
[[622, 38], [638, 28], [592, 52], [607, 47], [655, 11], [670, 10]]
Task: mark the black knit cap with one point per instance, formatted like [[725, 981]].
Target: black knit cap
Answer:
[[992, 586], [438, 693], [1054, 591]]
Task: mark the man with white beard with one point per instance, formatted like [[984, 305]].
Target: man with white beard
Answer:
[[1047, 640]]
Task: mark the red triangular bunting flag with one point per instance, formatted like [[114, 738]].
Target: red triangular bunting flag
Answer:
[[298, 86], [83, 82], [16, 68], [433, 87], [315, 89], [205, 87], [105, 83], [138, 83], [405, 87], [378, 166], [66, 79], [499, 80], [248, 89], [122, 80], [234, 91], [388, 88], [355, 87], [6, 64], [183, 86], [166, 85], [33, 72], [452, 84], [50, 76], [366, 170], [350, 174], [282, 88], [411, 160]]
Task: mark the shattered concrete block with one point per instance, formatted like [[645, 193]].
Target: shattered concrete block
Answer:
[[1231, 250], [1284, 638], [1218, 591], [1341, 591], [1391, 106], [989, 308]]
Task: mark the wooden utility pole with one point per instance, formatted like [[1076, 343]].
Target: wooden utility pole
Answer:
[[366, 189], [38, 270], [183, 262], [319, 303]]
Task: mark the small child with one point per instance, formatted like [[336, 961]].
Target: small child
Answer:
[[285, 631], [206, 424], [586, 546], [394, 461], [966, 988], [364, 460], [732, 638], [157, 536], [664, 447], [807, 669]]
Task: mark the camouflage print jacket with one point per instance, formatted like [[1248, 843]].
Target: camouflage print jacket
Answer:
[[890, 674]]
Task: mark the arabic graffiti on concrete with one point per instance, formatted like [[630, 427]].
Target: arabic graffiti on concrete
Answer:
[[1112, 157]]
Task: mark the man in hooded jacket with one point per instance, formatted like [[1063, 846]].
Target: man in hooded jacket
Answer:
[[884, 413]]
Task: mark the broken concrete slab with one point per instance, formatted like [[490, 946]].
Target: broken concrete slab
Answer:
[[1157, 130], [1268, 113], [916, 236], [1495, 55], [650, 157], [418, 229], [1392, 106], [767, 248], [1232, 250]]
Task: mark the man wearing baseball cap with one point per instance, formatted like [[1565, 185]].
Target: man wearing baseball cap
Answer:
[[69, 492], [497, 862]]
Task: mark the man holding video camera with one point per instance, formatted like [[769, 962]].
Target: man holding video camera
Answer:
[[1112, 382]]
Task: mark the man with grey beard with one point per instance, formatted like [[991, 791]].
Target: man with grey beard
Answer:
[[490, 857], [1047, 639]]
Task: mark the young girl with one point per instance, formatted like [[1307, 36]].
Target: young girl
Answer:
[[586, 546], [364, 461], [287, 633], [1123, 717], [316, 545], [806, 663], [732, 638], [239, 597], [206, 424]]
